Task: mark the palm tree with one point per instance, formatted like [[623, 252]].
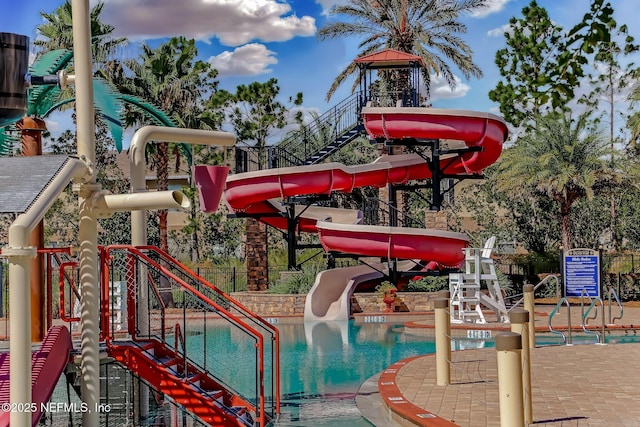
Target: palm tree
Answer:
[[170, 77], [427, 28], [560, 158], [57, 33]]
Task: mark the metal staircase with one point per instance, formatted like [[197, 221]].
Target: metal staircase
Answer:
[[168, 326], [313, 142]]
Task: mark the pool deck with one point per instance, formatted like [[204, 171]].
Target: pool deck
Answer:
[[577, 385]]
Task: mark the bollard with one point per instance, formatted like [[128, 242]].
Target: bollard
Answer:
[[519, 322], [446, 294], [529, 305], [508, 347], [443, 342]]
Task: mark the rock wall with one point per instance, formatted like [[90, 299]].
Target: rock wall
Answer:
[[267, 305]]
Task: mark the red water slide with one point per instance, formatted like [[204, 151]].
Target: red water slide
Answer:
[[473, 141], [47, 364], [483, 131]]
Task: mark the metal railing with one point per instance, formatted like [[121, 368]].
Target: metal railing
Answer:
[[612, 293], [586, 315], [566, 338], [160, 291], [323, 131], [552, 278]]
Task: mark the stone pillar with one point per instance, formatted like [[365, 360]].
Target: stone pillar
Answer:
[[436, 220], [257, 262]]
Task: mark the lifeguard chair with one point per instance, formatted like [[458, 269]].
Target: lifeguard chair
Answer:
[[466, 297]]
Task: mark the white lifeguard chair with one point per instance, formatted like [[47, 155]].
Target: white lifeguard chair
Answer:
[[466, 297]]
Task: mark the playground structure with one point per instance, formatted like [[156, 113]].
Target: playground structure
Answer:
[[215, 402]]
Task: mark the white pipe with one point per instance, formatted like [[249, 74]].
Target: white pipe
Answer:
[[19, 254], [138, 165], [24, 223], [88, 222], [138, 168], [110, 203], [19, 329]]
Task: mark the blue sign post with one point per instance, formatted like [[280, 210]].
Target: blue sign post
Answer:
[[581, 269]]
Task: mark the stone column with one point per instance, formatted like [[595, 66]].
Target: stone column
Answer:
[[257, 262]]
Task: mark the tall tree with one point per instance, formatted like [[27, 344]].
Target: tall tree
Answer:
[[256, 114], [429, 29], [610, 83], [560, 159], [541, 65]]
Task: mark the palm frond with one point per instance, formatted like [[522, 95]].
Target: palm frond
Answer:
[[110, 108], [8, 140], [51, 62]]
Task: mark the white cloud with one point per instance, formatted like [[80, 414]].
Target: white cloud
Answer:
[[248, 60], [233, 22], [440, 88], [499, 32], [327, 5], [492, 6]]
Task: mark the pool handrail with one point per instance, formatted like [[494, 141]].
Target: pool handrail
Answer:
[[613, 292], [544, 281], [565, 338], [600, 337]]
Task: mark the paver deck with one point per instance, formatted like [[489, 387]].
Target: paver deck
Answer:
[[579, 385]]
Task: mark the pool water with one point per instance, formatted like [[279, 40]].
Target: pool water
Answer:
[[324, 364]]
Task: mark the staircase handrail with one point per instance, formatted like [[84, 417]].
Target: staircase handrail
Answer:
[[221, 310], [208, 287], [337, 117], [406, 219], [257, 336], [313, 126]]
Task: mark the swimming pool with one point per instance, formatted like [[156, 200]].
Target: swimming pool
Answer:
[[324, 364], [322, 367]]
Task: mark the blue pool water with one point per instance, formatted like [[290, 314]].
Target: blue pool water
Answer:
[[324, 364]]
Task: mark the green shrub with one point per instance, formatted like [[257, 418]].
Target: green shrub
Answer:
[[298, 282], [428, 284]]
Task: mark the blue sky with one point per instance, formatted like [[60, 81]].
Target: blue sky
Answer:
[[254, 40]]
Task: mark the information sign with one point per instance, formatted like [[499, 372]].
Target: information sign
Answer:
[[581, 273]]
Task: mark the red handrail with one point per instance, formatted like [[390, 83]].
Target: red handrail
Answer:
[[256, 334], [238, 305], [61, 280]]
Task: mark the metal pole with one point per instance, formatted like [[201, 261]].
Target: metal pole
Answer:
[[529, 305], [20, 338], [88, 223], [447, 294], [519, 319], [508, 348], [443, 342]]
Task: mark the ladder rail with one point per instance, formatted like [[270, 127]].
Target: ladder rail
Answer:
[[566, 338], [610, 293]]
